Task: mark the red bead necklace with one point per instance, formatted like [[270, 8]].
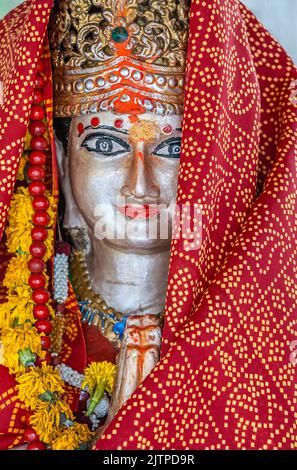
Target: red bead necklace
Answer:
[[39, 233]]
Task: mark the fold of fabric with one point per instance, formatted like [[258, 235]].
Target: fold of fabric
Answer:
[[225, 379]]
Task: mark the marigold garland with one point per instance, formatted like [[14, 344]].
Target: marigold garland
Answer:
[[18, 309], [17, 272], [99, 378], [48, 419], [72, 437], [21, 168], [38, 381], [17, 339], [97, 372], [41, 389], [20, 224]]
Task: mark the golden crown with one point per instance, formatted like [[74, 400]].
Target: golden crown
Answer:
[[120, 55]]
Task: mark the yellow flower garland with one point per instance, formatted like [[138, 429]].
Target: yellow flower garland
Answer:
[[17, 272], [72, 438], [16, 339], [38, 381], [20, 224], [18, 309], [98, 371], [99, 378], [46, 419], [41, 389]]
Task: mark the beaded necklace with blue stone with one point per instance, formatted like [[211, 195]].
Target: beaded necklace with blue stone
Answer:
[[93, 308]]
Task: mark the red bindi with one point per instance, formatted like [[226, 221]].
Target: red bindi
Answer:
[[80, 128], [118, 123], [167, 129], [140, 155], [95, 122]]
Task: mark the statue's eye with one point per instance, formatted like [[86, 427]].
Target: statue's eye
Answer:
[[169, 148], [106, 145]]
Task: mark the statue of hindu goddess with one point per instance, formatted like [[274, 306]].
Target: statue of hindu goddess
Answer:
[[83, 285], [118, 69]]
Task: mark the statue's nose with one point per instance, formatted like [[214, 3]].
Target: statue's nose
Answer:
[[140, 182]]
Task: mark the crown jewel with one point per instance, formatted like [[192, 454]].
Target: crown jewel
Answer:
[[118, 54]]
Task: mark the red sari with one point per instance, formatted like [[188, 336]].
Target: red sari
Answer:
[[227, 376]]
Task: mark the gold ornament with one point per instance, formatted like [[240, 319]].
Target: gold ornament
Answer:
[[84, 291], [119, 55]]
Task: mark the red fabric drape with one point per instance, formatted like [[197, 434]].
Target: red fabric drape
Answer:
[[225, 379]]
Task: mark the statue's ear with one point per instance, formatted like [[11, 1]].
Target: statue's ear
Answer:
[[72, 216]]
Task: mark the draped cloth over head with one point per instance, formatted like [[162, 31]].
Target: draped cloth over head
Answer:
[[227, 375]]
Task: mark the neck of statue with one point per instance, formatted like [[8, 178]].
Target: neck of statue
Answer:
[[132, 283]]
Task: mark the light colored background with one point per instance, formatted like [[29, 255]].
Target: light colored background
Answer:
[[279, 16]]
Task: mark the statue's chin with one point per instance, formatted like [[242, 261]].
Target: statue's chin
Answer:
[[140, 246], [138, 236]]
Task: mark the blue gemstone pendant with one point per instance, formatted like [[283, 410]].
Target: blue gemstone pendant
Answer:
[[119, 327]]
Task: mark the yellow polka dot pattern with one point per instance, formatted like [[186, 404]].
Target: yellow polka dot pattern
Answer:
[[225, 379]]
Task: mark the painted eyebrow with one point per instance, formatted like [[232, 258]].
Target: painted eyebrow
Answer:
[[170, 139], [109, 128]]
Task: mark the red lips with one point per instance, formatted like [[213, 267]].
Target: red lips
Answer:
[[145, 211]]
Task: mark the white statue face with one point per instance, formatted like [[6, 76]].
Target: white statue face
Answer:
[[133, 158]]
